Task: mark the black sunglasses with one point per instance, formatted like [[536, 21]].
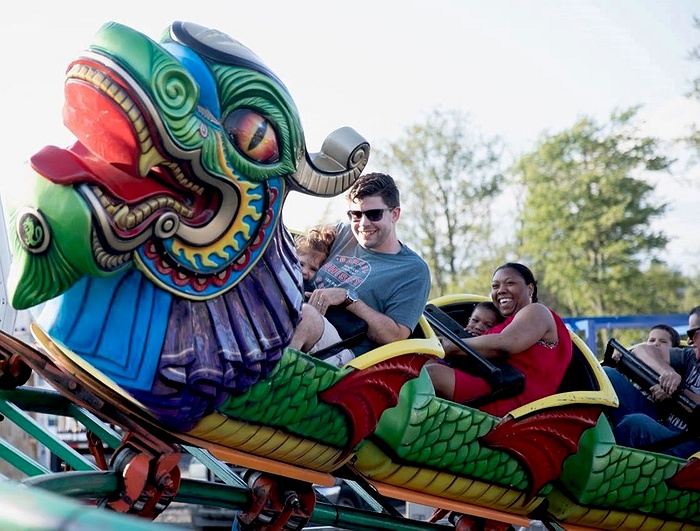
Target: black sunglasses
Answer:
[[692, 331], [373, 214]]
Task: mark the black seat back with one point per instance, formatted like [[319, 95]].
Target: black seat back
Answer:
[[578, 375]]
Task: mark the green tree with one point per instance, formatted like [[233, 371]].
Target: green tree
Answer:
[[691, 296], [586, 215], [664, 290], [449, 175]]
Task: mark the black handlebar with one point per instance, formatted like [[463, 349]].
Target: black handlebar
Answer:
[[451, 329], [643, 375]]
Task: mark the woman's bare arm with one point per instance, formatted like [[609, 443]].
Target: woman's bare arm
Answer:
[[530, 325]]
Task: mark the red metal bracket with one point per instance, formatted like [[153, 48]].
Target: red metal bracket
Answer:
[[151, 477], [278, 503]]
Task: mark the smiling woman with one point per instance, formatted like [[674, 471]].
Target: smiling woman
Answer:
[[533, 339]]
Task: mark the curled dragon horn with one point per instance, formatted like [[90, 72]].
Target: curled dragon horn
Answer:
[[343, 156]]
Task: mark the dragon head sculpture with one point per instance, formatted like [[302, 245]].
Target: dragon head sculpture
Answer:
[[185, 152]]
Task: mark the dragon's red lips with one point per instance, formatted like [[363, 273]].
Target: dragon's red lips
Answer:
[[118, 154], [101, 112], [119, 140]]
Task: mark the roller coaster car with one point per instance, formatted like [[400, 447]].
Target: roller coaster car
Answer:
[[449, 315], [554, 459], [459, 453]]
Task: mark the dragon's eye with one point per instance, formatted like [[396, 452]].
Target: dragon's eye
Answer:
[[253, 135]]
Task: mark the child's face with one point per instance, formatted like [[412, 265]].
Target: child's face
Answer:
[[660, 338], [480, 321], [310, 263]]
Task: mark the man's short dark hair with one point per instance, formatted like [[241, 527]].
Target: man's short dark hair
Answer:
[[372, 184]]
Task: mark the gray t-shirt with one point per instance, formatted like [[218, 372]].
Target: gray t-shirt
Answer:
[[684, 363], [396, 285]]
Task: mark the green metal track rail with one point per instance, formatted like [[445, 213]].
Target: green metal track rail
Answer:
[[84, 480]]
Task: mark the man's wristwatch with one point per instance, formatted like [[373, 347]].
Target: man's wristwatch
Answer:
[[350, 297]]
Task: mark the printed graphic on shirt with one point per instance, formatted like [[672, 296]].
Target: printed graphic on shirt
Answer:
[[342, 270], [692, 382]]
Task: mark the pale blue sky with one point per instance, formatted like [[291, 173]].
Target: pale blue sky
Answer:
[[518, 67]]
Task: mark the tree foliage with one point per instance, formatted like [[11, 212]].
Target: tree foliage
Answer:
[[691, 293], [449, 175], [586, 215]]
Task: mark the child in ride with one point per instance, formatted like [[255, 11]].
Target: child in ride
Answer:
[[484, 316], [313, 249]]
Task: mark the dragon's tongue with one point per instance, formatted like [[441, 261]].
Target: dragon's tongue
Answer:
[[77, 165]]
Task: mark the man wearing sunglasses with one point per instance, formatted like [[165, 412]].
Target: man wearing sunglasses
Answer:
[[636, 423], [369, 272]]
